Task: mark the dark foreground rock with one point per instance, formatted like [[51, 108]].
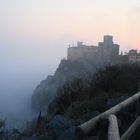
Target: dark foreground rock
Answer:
[[68, 134], [57, 126], [34, 137]]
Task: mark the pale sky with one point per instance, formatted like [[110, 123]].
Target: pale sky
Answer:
[[71, 20]]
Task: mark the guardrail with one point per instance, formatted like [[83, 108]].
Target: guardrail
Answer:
[[113, 129], [111, 117]]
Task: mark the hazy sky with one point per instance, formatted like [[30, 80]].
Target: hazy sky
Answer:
[[55, 20]]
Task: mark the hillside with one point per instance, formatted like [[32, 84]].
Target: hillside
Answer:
[[66, 71], [107, 86], [83, 98], [79, 99]]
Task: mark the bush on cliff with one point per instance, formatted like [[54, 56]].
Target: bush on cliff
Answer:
[[123, 79], [112, 81]]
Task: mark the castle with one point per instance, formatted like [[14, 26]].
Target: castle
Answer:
[[106, 52]]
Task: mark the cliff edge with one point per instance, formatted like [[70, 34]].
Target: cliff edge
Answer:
[[66, 71]]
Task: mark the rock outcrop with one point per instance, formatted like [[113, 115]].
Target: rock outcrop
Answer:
[[66, 71]]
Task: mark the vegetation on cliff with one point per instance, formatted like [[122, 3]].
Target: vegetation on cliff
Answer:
[[78, 100], [82, 98], [93, 93], [66, 72]]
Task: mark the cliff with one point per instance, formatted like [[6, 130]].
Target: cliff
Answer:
[[66, 71], [76, 102], [82, 62]]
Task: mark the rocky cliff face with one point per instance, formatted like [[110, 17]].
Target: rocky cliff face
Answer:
[[66, 71]]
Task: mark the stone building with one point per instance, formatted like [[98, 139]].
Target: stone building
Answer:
[[134, 57], [106, 51]]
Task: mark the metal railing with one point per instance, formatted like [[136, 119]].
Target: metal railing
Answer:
[[112, 122]]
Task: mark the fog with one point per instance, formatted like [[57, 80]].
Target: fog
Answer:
[[23, 64]]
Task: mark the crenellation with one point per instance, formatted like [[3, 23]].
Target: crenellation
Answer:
[[106, 52]]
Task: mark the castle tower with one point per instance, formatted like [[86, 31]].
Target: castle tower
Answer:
[[108, 40]]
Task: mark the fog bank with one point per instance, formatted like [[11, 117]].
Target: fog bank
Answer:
[[22, 67]]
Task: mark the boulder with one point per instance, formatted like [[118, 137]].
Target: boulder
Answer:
[[68, 134], [33, 137], [91, 138], [114, 101], [89, 116], [79, 109], [57, 126], [86, 117]]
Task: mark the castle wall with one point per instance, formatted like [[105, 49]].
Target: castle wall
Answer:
[[77, 53], [106, 51]]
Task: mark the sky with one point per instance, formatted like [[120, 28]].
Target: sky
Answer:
[[35, 34], [66, 21]]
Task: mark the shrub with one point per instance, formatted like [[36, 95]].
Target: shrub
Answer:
[[112, 81]]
